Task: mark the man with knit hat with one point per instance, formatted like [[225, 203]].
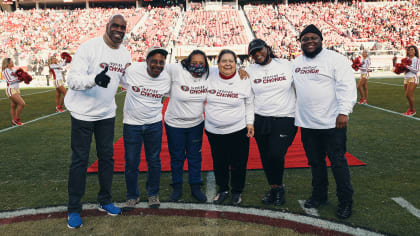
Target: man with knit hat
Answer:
[[326, 93]]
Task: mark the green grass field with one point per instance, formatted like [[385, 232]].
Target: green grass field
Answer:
[[35, 160]]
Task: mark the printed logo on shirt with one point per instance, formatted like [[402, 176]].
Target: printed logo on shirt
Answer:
[[270, 79], [224, 93], [307, 70], [113, 67], [194, 90], [146, 92]]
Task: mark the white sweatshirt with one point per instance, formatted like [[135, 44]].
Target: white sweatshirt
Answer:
[[143, 102], [364, 68], [56, 70], [272, 88], [11, 79], [187, 96], [229, 105], [86, 100], [414, 68], [325, 88]]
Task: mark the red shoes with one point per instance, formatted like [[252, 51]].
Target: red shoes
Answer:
[[362, 101], [409, 113], [17, 122], [59, 109]]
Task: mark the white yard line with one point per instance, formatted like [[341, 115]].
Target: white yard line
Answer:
[[31, 94], [405, 204], [393, 112], [308, 220], [210, 186], [309, 211], [399, 85]]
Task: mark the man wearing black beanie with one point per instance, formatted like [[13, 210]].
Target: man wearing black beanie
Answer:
[[326, 93]]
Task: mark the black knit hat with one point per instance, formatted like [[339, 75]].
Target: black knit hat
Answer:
[[255, 45], [311, 29]]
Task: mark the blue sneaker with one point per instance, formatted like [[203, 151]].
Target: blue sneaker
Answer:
[[74, 221], [111, 209]]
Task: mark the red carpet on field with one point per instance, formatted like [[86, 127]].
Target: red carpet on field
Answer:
[[295, 157]]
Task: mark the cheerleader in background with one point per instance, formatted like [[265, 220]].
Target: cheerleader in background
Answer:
[[56, 71], [364, 76], [410, 78], [17, 103]]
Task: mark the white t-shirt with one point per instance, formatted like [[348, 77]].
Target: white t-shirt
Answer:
[[84, 99], [414, 68], [272, 88], [56, 70], [11, 79], [143, 102], [230, 106], [187, 96], [364, 68], [325, 88]]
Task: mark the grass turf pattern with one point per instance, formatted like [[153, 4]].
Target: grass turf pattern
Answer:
[[35, 160]]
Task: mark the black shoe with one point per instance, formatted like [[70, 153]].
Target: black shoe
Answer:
[[279, 196], [344, 210], [197, 194], [236, 199], [314, 203], [269, 197], [176, 192], [220, 197]]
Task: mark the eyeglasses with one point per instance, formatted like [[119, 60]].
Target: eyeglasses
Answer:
[[307, 39]]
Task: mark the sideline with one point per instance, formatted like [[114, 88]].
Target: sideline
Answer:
[[282, 219], [393, 112], [40, 118], [399, 85], [407, 205], [30, 94]]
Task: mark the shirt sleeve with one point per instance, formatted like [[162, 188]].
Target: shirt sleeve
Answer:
[[249, 107], [414, 67], [78, 77], [10, 78], [345, 89]]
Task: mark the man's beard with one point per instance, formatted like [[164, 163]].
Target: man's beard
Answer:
[[312, 54]]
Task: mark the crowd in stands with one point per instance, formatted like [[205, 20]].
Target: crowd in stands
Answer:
[[31, 36], [157, 30], [212, 29], [37, 34]]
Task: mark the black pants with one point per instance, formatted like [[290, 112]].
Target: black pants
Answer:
[[81, 138], [229, 150], [274, 135], [331, 142]]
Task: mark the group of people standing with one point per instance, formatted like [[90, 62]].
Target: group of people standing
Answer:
[[265, 105]]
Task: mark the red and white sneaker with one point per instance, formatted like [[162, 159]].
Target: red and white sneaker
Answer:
[[410, 113], [361, 101], [17, 122], [364, 101], [59, 109]]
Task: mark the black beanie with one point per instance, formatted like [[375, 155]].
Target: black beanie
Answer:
[[311, 29]]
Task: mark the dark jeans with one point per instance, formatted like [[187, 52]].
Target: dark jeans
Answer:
[[274, 135], [81, 138], [134, 136], [331, 142], [185, 143], [229, 150]]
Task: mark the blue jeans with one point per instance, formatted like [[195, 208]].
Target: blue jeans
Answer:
[[134, 136], [185, 143], [81, 138]]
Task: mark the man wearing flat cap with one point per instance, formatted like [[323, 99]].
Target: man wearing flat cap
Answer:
[[326, 93], [147, 84]]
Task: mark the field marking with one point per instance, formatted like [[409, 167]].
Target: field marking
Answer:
[[407, 205], [302, 219], [31, 94], [210, 186], [28, 122], [309, 211], [399, 85], [39, 118], [393, 112]]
